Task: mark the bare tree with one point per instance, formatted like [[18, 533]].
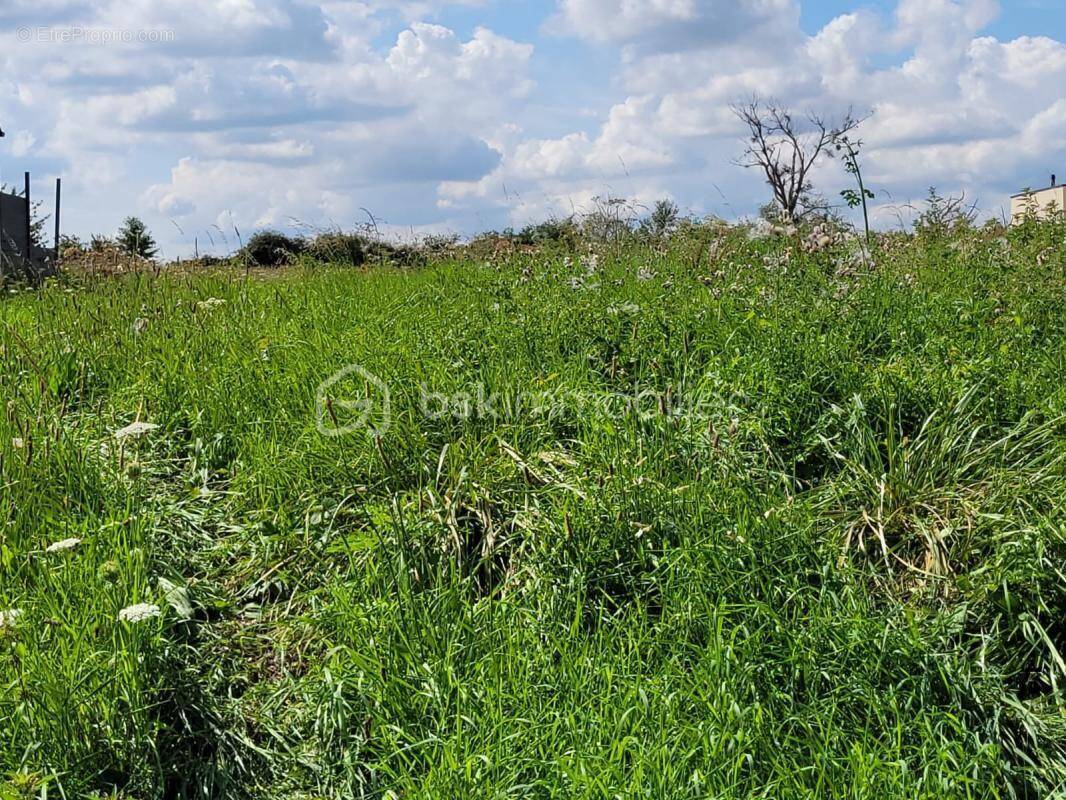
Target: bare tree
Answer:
[[786, 149]]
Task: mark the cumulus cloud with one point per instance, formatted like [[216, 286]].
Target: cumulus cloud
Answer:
[[252, 112], [259, 112], [945, 105], [671, 25]]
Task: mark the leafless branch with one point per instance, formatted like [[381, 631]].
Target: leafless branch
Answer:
[[786, 149]]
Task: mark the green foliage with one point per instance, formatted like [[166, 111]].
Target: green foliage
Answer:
[[554, 231], [944, 216], [135, 239], [272, 249], [663, 220], [791, 525], [337, 248]]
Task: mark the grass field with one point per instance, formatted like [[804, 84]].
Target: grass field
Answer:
[[714, 518]]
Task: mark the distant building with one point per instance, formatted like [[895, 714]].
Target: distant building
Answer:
[[1038, 201], [12, 233]]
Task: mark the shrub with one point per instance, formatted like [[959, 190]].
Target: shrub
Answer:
[[272, 249], [550, 231], [338, 248]]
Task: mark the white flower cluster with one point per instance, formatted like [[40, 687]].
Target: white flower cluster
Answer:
[[9, 618], [821, 237], [135, 429], [210, 304], [139, 612], [62, 545]]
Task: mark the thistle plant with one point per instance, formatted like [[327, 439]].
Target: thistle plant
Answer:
[[848, 149]]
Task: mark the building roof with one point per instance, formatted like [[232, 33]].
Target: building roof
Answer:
[[1038, 191]]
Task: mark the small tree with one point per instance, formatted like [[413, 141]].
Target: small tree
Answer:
[[849, 150], [662, 221], [135, 239], [943, 216], [786, 150]]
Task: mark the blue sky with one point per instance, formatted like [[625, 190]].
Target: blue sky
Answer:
[[209, 117]]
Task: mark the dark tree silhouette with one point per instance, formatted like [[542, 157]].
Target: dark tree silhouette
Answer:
[[786, 149]]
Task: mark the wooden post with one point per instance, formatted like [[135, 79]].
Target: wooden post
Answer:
[[55, 255]]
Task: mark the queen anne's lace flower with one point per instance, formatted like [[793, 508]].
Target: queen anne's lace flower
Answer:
[[210, 303], [139, 612], [9, 618], [63, 544], [135, 429]]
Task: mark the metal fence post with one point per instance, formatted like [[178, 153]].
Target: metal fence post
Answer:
[[55, 256]]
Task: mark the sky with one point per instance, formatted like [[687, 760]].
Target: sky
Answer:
[[210, 119]]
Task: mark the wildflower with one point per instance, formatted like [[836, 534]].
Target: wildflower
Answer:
[[590, 263], [644, 274], [139, 612], [110, 571], [760, 229], [135, 429], [17, 443], [575, 283], [139, 326], [821, 237], [62, 545], [9, 618], [210, 303]]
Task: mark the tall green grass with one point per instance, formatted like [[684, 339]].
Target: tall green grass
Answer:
[[823, 555]]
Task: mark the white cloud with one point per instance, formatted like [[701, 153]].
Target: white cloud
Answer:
[[672, 25], [260, 111], [947, 106]]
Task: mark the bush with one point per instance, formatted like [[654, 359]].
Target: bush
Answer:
[[338, 248], [562, 231], [272, 249]]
